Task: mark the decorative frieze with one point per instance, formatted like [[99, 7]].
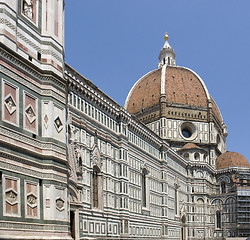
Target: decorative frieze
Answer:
[[30, 10], [55, 205], [30, 109], [32, 200], [31, 72], [36, 227], [10, 102], [31, 86], [32, 173], [31, 43], [31, 141], [11, 196]]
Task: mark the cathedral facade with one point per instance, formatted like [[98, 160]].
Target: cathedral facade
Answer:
[[74, 164]]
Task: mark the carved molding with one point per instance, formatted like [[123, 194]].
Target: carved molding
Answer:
[[58, 124], [225, 179], [46, 92], [29, 70], [32, 173], [41, 227], [31, 162], [29, 42], [30, 114], [31, 141], [10, 104]]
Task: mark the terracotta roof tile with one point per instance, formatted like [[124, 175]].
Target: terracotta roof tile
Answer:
[[216, 110], [231, 159], [146, 92], [181, 87], [189, 146]]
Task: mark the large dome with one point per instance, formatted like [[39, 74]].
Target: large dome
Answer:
[[182, 91], [173, 101], [180, 85], [231, 159]]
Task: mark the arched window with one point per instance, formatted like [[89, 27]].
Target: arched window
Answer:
[[80, 162], [183, 228], [176, 201], [200, 210], [223, 187], [218, 219], [197, 156], [96, 172], [168, 60], [144, 187], [186, 156], [230, 210]]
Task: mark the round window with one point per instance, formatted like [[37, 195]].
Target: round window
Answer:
[[188, 131]]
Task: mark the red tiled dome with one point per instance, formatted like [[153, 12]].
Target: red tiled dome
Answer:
[[231, 159], [182, 86]]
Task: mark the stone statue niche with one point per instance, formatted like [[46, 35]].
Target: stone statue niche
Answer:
[[28, 9]]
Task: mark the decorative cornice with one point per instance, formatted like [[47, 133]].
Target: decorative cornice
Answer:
[[26, 226], [29, 172], [33, 163], [42, 77], [43, 92], [80, 84], [33, 142], [37, 38]]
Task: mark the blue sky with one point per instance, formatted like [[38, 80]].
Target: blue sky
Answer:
[[115, 42]]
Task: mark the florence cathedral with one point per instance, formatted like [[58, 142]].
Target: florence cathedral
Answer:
[[74, 164]]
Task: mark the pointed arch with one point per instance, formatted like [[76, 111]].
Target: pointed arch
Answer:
[[183, 227], [96, 186], [144, 186], [218, 219]]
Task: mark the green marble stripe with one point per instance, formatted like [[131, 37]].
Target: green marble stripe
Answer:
[[39, 161]]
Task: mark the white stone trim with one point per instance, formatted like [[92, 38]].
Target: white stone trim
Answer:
[[163, 78], [204, 87], [202, 82]]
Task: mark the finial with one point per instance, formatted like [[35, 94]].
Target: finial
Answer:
[[166, 36]]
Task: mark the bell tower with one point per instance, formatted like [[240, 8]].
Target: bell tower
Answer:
[[35, 30], [33, 163]]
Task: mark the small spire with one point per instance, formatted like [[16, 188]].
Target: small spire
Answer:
[[167, 54], [166, 36]]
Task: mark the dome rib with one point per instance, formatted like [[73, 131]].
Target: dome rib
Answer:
[[182, 86], [216, 110], [201, 81], [185, 87]]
